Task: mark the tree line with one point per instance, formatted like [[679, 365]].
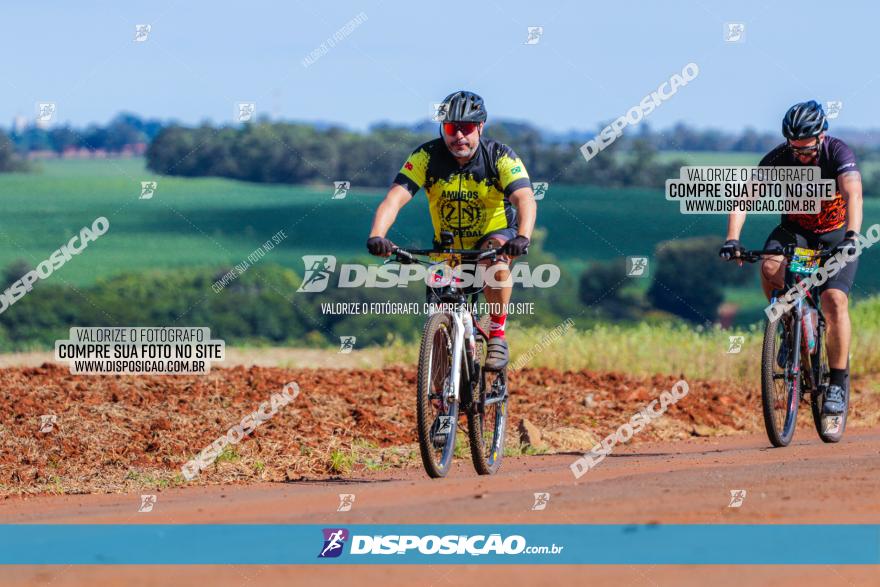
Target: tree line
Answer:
[[278, 152], [301, 154], [123, 130]]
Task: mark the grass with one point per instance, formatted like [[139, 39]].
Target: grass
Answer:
[[665, 348], [362, 453], [341, 461], [520, 450], [143, 480], [55, 485], [462, 445], [229, 454], [366, 454]]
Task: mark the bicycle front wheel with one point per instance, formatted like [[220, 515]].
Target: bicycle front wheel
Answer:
[[437, 413], [780, 385]]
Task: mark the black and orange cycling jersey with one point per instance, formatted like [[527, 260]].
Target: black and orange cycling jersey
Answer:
[[835, 159], [470, 200]]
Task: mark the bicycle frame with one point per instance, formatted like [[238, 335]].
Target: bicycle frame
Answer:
[[462, 319], [811, 375], [462, 326], [810, 299]]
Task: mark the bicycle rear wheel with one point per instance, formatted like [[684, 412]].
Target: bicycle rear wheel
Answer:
[[487, 419], [830, 428], [436, 414], [780, 386]]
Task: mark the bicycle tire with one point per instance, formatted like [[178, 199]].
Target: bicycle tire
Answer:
[[431, 356], [779, 434], [831, 433], [487, 457]]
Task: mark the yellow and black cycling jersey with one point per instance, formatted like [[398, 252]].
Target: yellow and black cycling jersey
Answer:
[[470, 200]]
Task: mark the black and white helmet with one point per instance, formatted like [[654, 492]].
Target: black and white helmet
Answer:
[[804, 120], [464, 106]]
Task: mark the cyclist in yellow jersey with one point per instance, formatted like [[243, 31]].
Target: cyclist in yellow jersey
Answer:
[[479, 190]]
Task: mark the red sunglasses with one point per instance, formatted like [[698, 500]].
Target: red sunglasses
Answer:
[[466, 128]]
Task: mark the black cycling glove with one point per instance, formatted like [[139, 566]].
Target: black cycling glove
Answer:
[[519, 245], [379, 246], [848, 245], [730, 249]]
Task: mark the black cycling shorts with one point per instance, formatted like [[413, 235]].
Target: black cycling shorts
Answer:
[[502, 234], [790, 233]]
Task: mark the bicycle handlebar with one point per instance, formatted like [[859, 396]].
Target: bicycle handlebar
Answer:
[[477, 254], [754, 256]]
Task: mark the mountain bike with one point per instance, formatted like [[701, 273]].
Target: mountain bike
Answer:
[[794, 361], [451, 377]]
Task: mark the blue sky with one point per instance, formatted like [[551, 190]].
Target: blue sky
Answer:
[[594, 61]]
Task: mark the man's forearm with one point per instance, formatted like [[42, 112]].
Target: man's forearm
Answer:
[[386, 213], [527, 210], [385, 216], [734, 225], [854, 214], [527, 223], [850, 186]]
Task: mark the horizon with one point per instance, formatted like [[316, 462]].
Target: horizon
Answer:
[[31, 123]]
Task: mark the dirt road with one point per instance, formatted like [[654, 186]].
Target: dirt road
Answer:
[[64, 433], [688, 481]]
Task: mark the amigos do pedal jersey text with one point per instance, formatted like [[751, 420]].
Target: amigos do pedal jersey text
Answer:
[[470, 200]]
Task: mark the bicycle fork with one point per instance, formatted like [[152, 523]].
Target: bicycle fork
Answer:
[[462, 326], [797, 316]]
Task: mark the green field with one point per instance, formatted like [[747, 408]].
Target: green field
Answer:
[[711, 157], [868, 166], [214, 222]]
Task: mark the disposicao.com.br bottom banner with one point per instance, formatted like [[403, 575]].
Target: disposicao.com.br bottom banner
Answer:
[[40, 544]]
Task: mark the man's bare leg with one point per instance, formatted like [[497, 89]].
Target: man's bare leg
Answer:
[[835, 307], [498, 291], [772, 274]]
